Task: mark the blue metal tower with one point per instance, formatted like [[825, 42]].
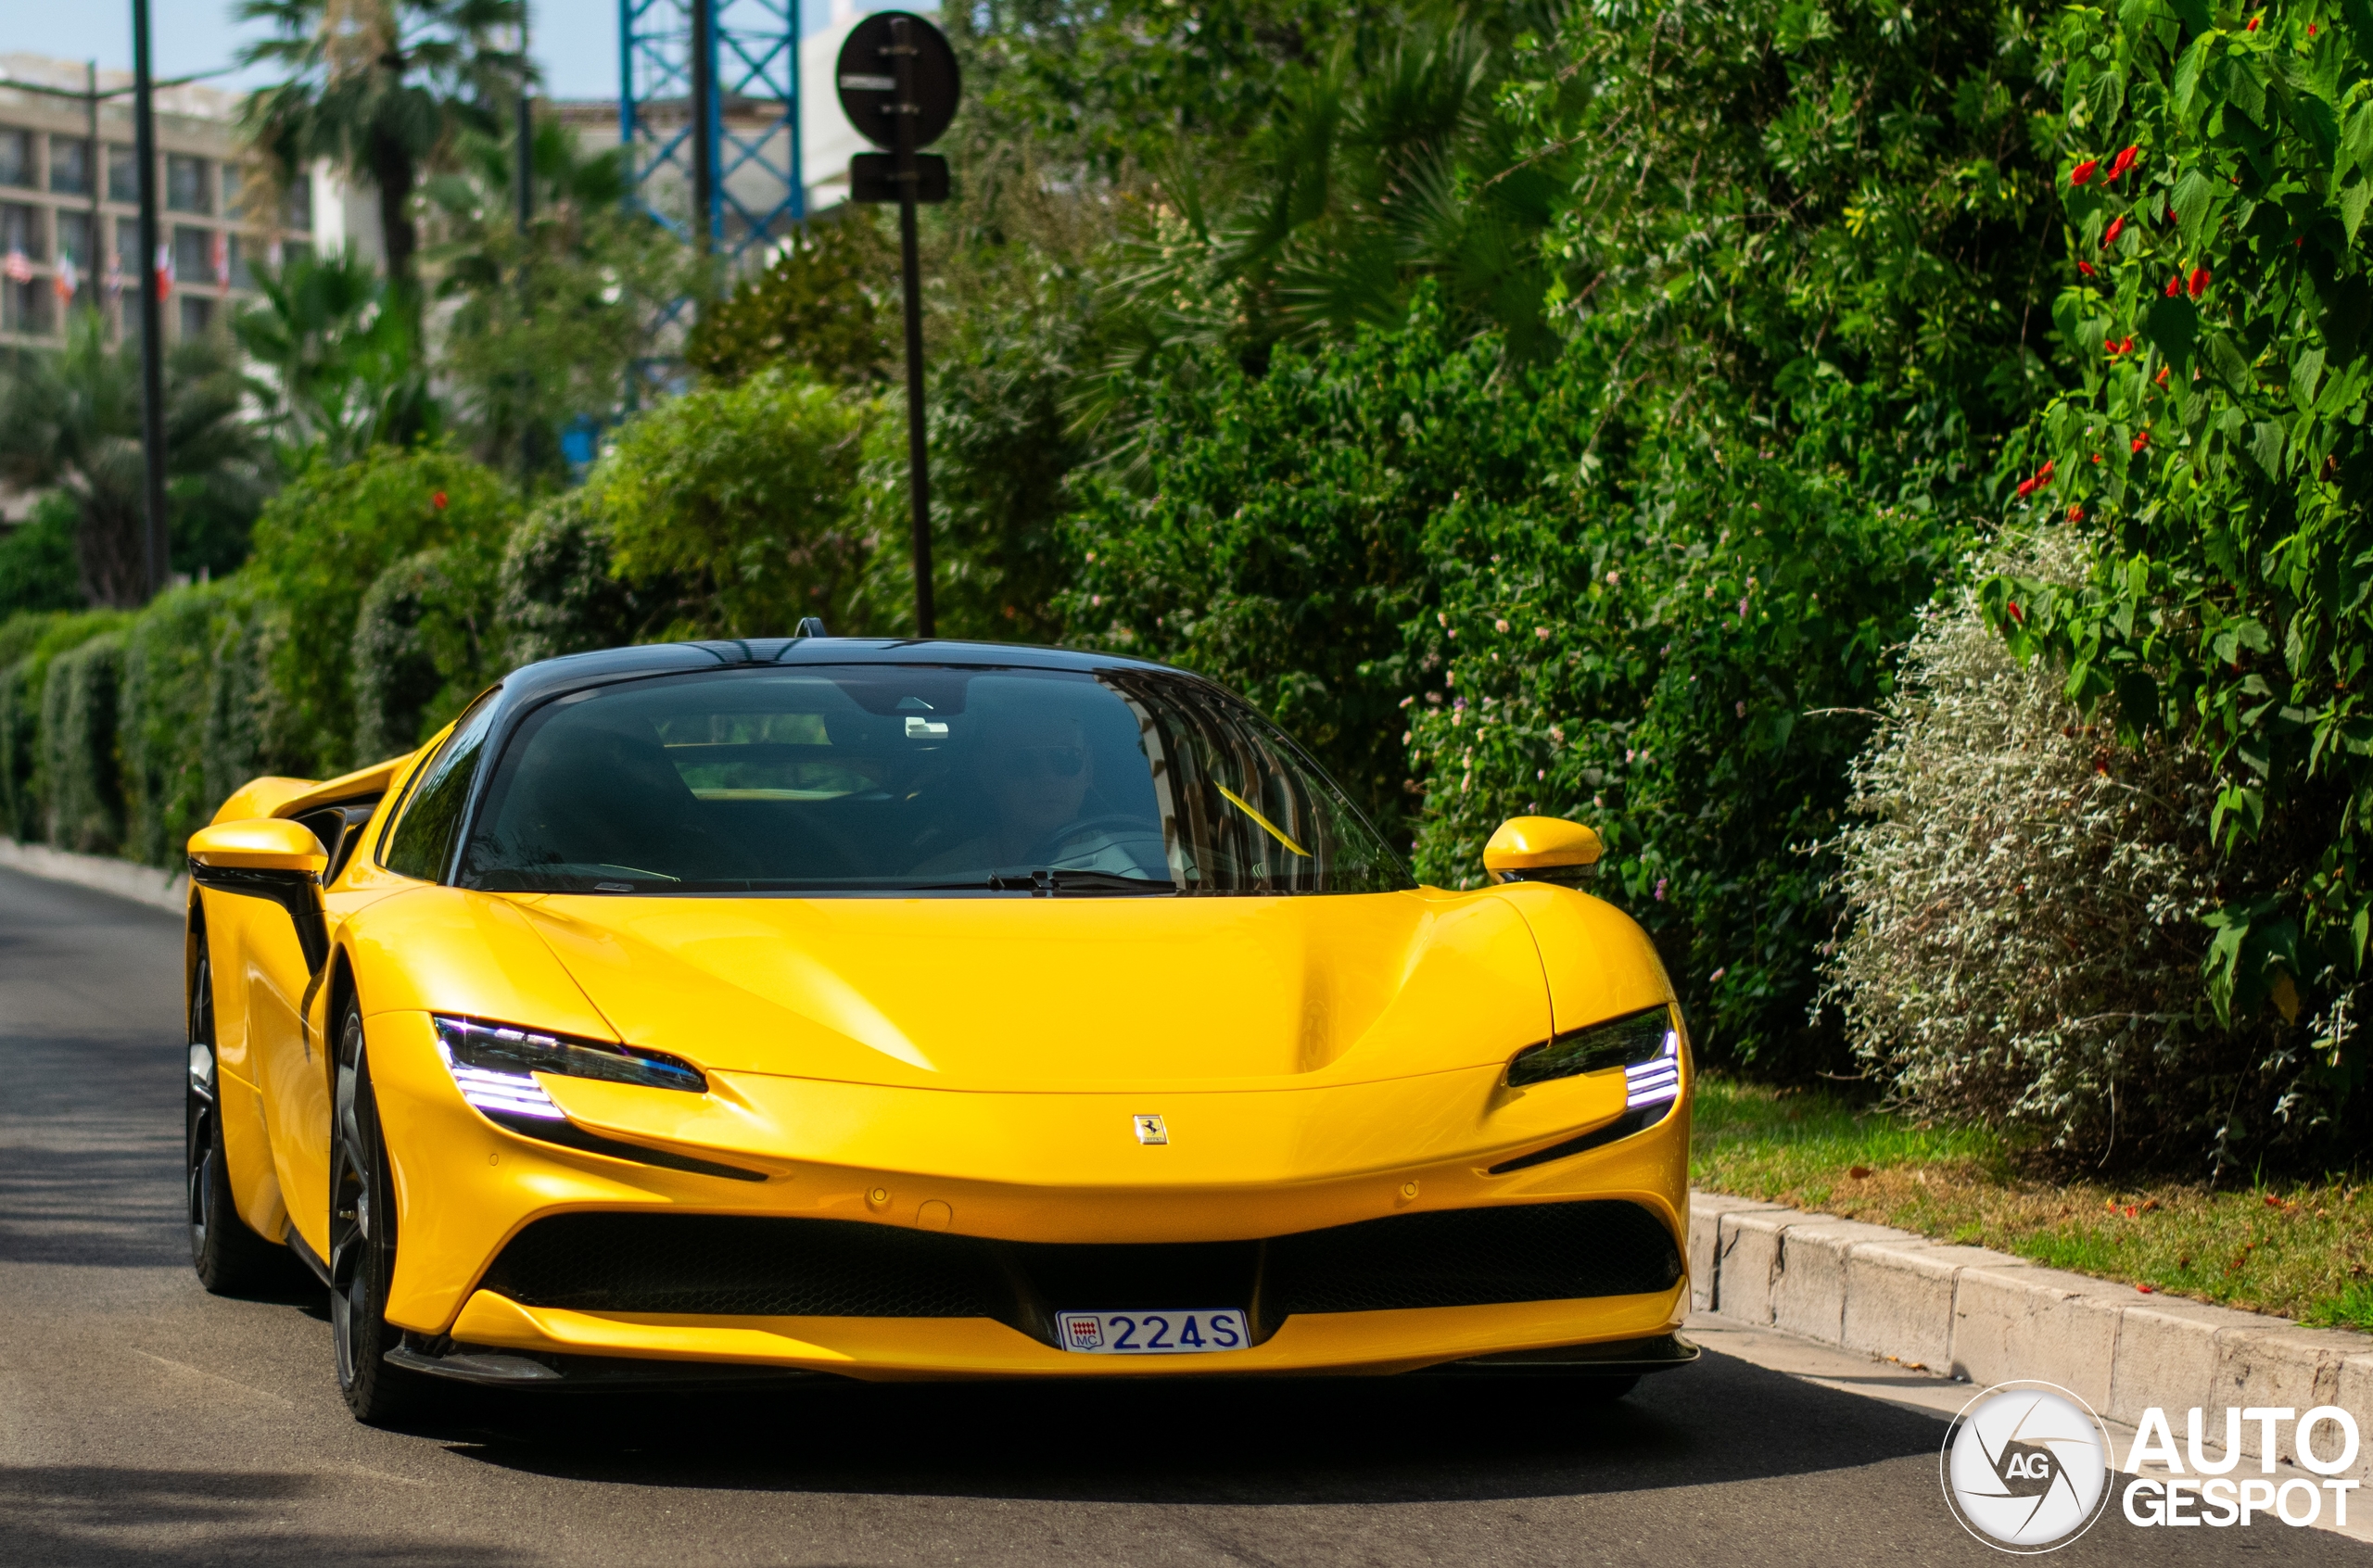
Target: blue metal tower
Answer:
[[708, 104]]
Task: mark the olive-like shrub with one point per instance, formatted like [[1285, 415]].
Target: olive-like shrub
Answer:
[[2025, 899]]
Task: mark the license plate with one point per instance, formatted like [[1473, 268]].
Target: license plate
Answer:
[[1153, 1333]]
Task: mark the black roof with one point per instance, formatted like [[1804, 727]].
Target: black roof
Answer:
[[530, 683]]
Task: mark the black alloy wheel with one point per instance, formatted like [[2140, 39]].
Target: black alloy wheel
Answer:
[[363, 1244], [230, 1258]]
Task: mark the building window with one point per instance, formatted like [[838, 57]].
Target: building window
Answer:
[[76, 241], [197, 315], [234, 188], [123, 174], [297, 204], [127, 251], [191, 263], [24, 307], [70, 166], [243, 273], [21, 232], [16, 157], [185, 183]]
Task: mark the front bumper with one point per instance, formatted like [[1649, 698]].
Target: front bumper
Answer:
[[1028, 1173]]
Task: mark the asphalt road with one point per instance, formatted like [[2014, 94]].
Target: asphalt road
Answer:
[[144, 1422]]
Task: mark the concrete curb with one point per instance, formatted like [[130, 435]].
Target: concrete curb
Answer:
[[1990, 1318], [142, 884]]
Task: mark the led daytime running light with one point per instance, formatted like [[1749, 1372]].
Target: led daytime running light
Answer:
[[1647, 1044], [494, 1066]]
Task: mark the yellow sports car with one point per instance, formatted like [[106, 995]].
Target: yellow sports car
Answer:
[[903, 1009]]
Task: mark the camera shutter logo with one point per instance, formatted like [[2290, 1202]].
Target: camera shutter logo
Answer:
[[2025, 1467]]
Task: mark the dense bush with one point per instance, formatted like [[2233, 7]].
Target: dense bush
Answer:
[[81, 777], [2027, 899], [319, 547], [556, 592], [169, 676], [425, 642], [742, 497], [37, 569], [29, 645]]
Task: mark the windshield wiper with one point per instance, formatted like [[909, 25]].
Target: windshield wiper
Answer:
[[1056, 881]]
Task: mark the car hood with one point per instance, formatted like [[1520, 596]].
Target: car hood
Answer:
[[1038, 994]]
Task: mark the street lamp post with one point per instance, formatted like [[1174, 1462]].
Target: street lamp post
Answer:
[[152, 323]]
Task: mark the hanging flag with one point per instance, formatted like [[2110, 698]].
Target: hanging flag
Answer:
[[164, 271], [219, 252], [17, 267], [68, 278]]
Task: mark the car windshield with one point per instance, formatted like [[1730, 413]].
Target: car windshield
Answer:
[[901, 777]]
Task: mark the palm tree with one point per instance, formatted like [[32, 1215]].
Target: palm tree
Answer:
[[380, 87], [69, 421], [337, 346]]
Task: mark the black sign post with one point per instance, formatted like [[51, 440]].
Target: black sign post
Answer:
[[898, 86]]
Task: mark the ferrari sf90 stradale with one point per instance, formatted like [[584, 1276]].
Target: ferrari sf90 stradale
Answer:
[[917, 1010]]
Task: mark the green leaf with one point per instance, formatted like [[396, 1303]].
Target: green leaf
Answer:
[[2170, 327], [2226, 356], [2356, 143], [2267, 439], [2192, 67], [2306, 373], [2353, 202], [2242, 88], [2195, 14]]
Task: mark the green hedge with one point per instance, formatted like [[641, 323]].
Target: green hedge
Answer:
[[169, 673], [79, 757], [29, 644], [423, 641]]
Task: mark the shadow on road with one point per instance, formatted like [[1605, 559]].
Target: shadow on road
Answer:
[[98, 1516], [1256, 1442]]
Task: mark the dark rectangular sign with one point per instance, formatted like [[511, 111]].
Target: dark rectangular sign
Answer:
[[874, 177]]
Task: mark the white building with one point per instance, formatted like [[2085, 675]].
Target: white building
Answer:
[[70, 215]]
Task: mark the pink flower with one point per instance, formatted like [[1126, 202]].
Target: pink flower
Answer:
[[1660, 890]]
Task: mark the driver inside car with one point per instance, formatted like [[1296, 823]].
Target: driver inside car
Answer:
[[1040, 777]]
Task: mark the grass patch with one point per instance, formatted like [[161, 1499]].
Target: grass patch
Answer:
[[2302, 1248]]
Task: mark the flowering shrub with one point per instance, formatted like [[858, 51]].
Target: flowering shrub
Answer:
[[2224, 465]]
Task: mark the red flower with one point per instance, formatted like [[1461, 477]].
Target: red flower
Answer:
[[2176, 287], [438, 501], [2087, 268], [2076, 514], [2199, 285], [2141, 439], [2014, 612], [2026, 489], [2250, 26], [2044, 474], [2083, 172], [2161, 377], [2125, 161], [2117, 227], [2311, 29]]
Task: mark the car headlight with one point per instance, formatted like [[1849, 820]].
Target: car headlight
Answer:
[[493, 1065], [1645, 1045]]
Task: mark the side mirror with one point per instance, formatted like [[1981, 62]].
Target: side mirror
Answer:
[[1542, 849], [265, 843], [273, 859]]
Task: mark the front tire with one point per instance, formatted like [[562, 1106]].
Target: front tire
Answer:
[[362, 1247], [230, 1258]]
